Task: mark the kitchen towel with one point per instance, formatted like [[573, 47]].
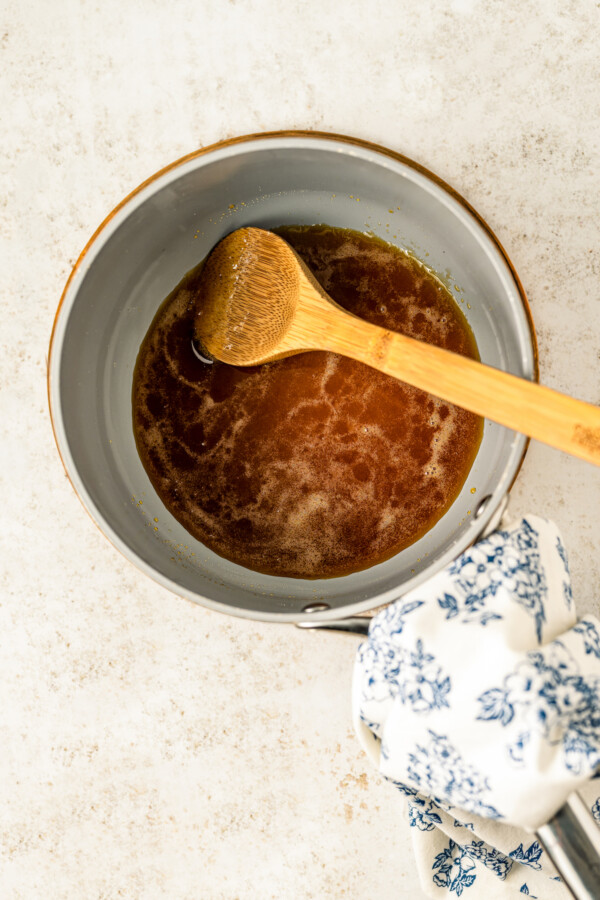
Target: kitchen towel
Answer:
[[478, 696]]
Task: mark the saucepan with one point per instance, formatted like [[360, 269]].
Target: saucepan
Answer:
[[161, 231]]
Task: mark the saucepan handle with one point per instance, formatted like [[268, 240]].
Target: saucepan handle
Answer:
[[356, 625], [572, 840]]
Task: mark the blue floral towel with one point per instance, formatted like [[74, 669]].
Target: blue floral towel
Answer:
[[478, 696]]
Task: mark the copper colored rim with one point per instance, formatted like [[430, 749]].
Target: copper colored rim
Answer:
[[241, 139]]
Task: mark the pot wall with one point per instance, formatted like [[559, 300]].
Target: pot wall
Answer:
[[166, 228]]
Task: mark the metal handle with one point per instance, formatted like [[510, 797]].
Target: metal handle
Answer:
[[352, 625], [572, 840]]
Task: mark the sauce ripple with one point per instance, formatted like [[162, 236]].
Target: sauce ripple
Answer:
[[313, 466]]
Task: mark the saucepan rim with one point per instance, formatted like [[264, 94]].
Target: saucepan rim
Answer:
[[77, 275]]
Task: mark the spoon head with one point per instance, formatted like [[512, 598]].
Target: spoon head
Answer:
[[247, 298]]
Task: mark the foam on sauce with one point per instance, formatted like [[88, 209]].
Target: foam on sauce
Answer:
[[316, 465]]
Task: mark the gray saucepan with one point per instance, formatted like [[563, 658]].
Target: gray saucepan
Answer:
[[163, 229]]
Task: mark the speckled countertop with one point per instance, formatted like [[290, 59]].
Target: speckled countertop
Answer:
[[149, 748]]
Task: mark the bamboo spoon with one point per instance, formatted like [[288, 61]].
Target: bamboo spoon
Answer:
[[261, 303]]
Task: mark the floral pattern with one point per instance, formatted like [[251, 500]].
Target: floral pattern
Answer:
[[553, 700], [403, 788], [426, 716], [491, 858], [422, 814], [507, 560], [396, 672], [390, 621], [455, 869], [379, 655], [472, 609], [530, 856], [566, 585], [455, 865], [438, 769], [468, 825], [591, 638], [424, 685]]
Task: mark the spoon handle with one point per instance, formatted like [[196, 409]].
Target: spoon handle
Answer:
[[546, 415]]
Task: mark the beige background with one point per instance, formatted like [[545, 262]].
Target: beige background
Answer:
[[149, 748]]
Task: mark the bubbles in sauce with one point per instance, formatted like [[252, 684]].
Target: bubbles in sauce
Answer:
[[313, 466]]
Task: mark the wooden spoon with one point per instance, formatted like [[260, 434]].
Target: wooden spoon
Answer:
[[261, 303]]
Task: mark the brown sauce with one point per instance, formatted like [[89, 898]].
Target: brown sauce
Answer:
[[313, 466]]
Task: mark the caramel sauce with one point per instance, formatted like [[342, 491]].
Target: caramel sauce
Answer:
[[313, 466]]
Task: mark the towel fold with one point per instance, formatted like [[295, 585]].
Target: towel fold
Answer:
[[478, 696]]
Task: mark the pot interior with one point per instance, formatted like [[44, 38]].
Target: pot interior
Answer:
[[162, 232]]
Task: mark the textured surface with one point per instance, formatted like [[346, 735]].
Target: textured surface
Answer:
[[150, 748], [249, 263]]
